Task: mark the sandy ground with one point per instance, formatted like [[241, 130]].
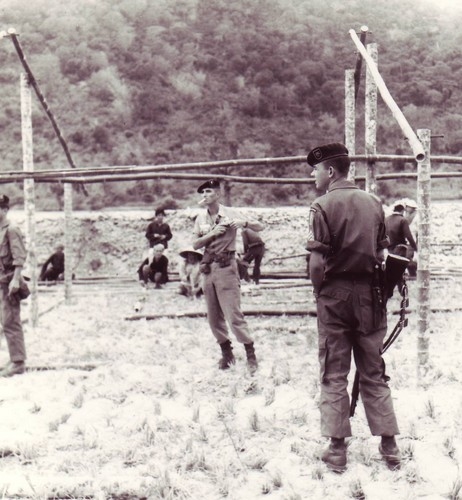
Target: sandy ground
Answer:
[[138, 409]]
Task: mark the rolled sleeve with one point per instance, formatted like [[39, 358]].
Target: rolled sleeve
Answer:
[[17, 247]]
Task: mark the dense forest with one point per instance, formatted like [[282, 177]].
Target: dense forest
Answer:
[[142, 82]]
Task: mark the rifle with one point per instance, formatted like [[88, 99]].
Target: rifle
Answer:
[[395, 266]]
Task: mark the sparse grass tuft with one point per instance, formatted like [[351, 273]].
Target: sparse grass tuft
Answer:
[[407, 451], [269, 395], [266, 489], [257, 461], [449, 447], [411, 473], [456, 490], [413, 431], [54, 425], [318, 473], [169, 389], [365, 455], [196, 414], [430, 410], [254, 421], [356, 489], [78, 400], [276, 480], [195, 461]]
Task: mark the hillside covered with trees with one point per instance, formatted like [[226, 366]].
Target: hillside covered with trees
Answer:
[[138, 82]]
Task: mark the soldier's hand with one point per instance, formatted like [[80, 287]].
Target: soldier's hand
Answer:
[[13, 287], [218, 230]]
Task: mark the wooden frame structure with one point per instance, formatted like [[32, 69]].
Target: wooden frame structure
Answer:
[[419, 143]]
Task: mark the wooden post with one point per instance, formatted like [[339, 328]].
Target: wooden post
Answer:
[[389, 101], [350, 112], [68, 242], [29, 195], [423, 270], [371, 122]]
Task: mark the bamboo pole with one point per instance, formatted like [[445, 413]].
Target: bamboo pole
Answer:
[[248, 180], [414, 142], [370, 114], [106, 172], [68, 243], [33, 83], [29, 195], [359, 60], [423, 271], [350, 112]]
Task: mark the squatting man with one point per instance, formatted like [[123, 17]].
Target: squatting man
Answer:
[[215, 230]]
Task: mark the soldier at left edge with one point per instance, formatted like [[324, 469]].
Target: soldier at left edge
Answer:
[[12, 289]]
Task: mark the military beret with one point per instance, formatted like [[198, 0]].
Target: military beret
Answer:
[[4, 201], [212, 184], [326, 152]]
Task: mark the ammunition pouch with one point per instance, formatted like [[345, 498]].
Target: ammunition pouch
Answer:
[[223, 259]]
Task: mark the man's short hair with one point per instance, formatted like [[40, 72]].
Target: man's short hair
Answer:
[[398, 208], [159, 211], [341, 164]]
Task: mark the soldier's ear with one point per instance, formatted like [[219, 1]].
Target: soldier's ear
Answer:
[[331, 171]]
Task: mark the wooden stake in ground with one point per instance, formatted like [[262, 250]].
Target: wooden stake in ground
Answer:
[[29, 195], [371, 121], [423, 271], [350, 122], [68, 233]]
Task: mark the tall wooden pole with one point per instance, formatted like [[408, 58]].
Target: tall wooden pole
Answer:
[[68, 242], [29, 195], [371, 121], [350, 122], [423, 270]]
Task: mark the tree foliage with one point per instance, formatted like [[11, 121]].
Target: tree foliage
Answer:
[[140, 82]]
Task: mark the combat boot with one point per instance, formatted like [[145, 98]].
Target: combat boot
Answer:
[[13, 368], [252, 362], [390, 452], [227, 358], [335, 455]]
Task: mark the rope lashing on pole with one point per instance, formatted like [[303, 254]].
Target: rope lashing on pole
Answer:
[[410, 135], [11, 33]]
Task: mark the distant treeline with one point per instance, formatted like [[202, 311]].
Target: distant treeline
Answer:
[[144, 82]]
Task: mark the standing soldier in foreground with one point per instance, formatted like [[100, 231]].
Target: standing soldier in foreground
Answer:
[[12, 258], [215, 229], [346, 240]]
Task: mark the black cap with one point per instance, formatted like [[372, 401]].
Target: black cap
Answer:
[[4, 201], [326, 152], [212, 184], [160, 211]]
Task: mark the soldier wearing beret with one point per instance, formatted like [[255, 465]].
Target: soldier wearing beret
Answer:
[[215, 231], [158, 231], [12, 259], [346, 240]]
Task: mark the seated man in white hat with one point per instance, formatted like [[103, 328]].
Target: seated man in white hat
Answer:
[[190, 274]]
